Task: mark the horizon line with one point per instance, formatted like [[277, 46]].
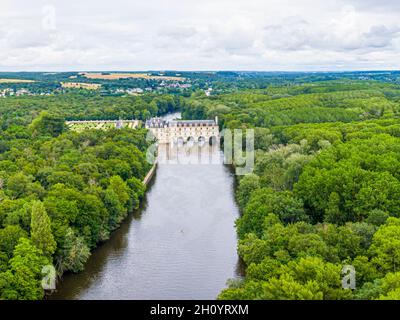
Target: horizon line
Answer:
[[206, 71]]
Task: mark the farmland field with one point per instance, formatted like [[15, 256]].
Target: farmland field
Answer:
[[15, 81], [116, 76]]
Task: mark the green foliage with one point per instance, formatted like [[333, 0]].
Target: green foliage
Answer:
[[41, 234], [67, 191], [23, 280], [45, 115], [290, 105], [305, 279], [9, 237], [73, 253], [116, 199], [247, 185], [385, 248], [265, 201], [324, 192], [47, 124], [352, 179]]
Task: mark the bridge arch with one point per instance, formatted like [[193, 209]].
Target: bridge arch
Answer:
[[201, 141], [180, 141], [190, 141], [213, 140]]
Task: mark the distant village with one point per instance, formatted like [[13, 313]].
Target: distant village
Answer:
[[161, 86], [65, 86], [9, 92]]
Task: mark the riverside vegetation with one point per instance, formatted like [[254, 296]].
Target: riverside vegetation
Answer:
[[325, 191], [63, 192]]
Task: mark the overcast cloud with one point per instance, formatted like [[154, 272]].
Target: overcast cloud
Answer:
[[268, 35]]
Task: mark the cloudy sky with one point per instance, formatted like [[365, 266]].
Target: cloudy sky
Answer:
[[265, 35]]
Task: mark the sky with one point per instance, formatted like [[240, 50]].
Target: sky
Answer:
[[139, 35]]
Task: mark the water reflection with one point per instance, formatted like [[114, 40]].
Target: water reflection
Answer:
[[180, 245]]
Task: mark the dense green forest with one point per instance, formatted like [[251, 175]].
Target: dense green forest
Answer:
[[325, 191], [20, 111], [63, 192]]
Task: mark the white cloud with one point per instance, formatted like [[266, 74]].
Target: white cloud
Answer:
[[199, 35]]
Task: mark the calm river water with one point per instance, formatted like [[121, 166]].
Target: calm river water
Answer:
[[180, 245]]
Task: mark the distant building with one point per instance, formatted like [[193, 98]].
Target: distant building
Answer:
[[22, 92], [135, 90], [208, 92]]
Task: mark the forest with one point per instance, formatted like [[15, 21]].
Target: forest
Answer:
[[220, 81], [324, 193], [63, 192], [17, 111]]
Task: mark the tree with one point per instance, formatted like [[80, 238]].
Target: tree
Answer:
[[136, 192], [116, 198], [332, 212], [265, 201], [343, 242], [377, 217], [18, 185], [9, 237], [247, 185], [41, 233], [73, 254], [390, 287], [23, 280], [262, 139], [385, 248], [308, 278], [47, 124], [287, 288]]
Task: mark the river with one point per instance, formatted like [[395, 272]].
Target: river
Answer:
[[181, 244]]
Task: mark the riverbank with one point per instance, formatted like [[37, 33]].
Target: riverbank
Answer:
[[180, 245], [150, 174]]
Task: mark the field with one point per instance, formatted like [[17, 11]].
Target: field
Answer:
[[117, 76], [78, 85], [15, 81]]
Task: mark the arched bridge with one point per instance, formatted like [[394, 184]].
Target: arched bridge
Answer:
[[182, 131]]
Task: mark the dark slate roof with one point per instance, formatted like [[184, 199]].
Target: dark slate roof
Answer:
[[160, 123]]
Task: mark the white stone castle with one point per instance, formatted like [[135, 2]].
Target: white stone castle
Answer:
[[182, 131]]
